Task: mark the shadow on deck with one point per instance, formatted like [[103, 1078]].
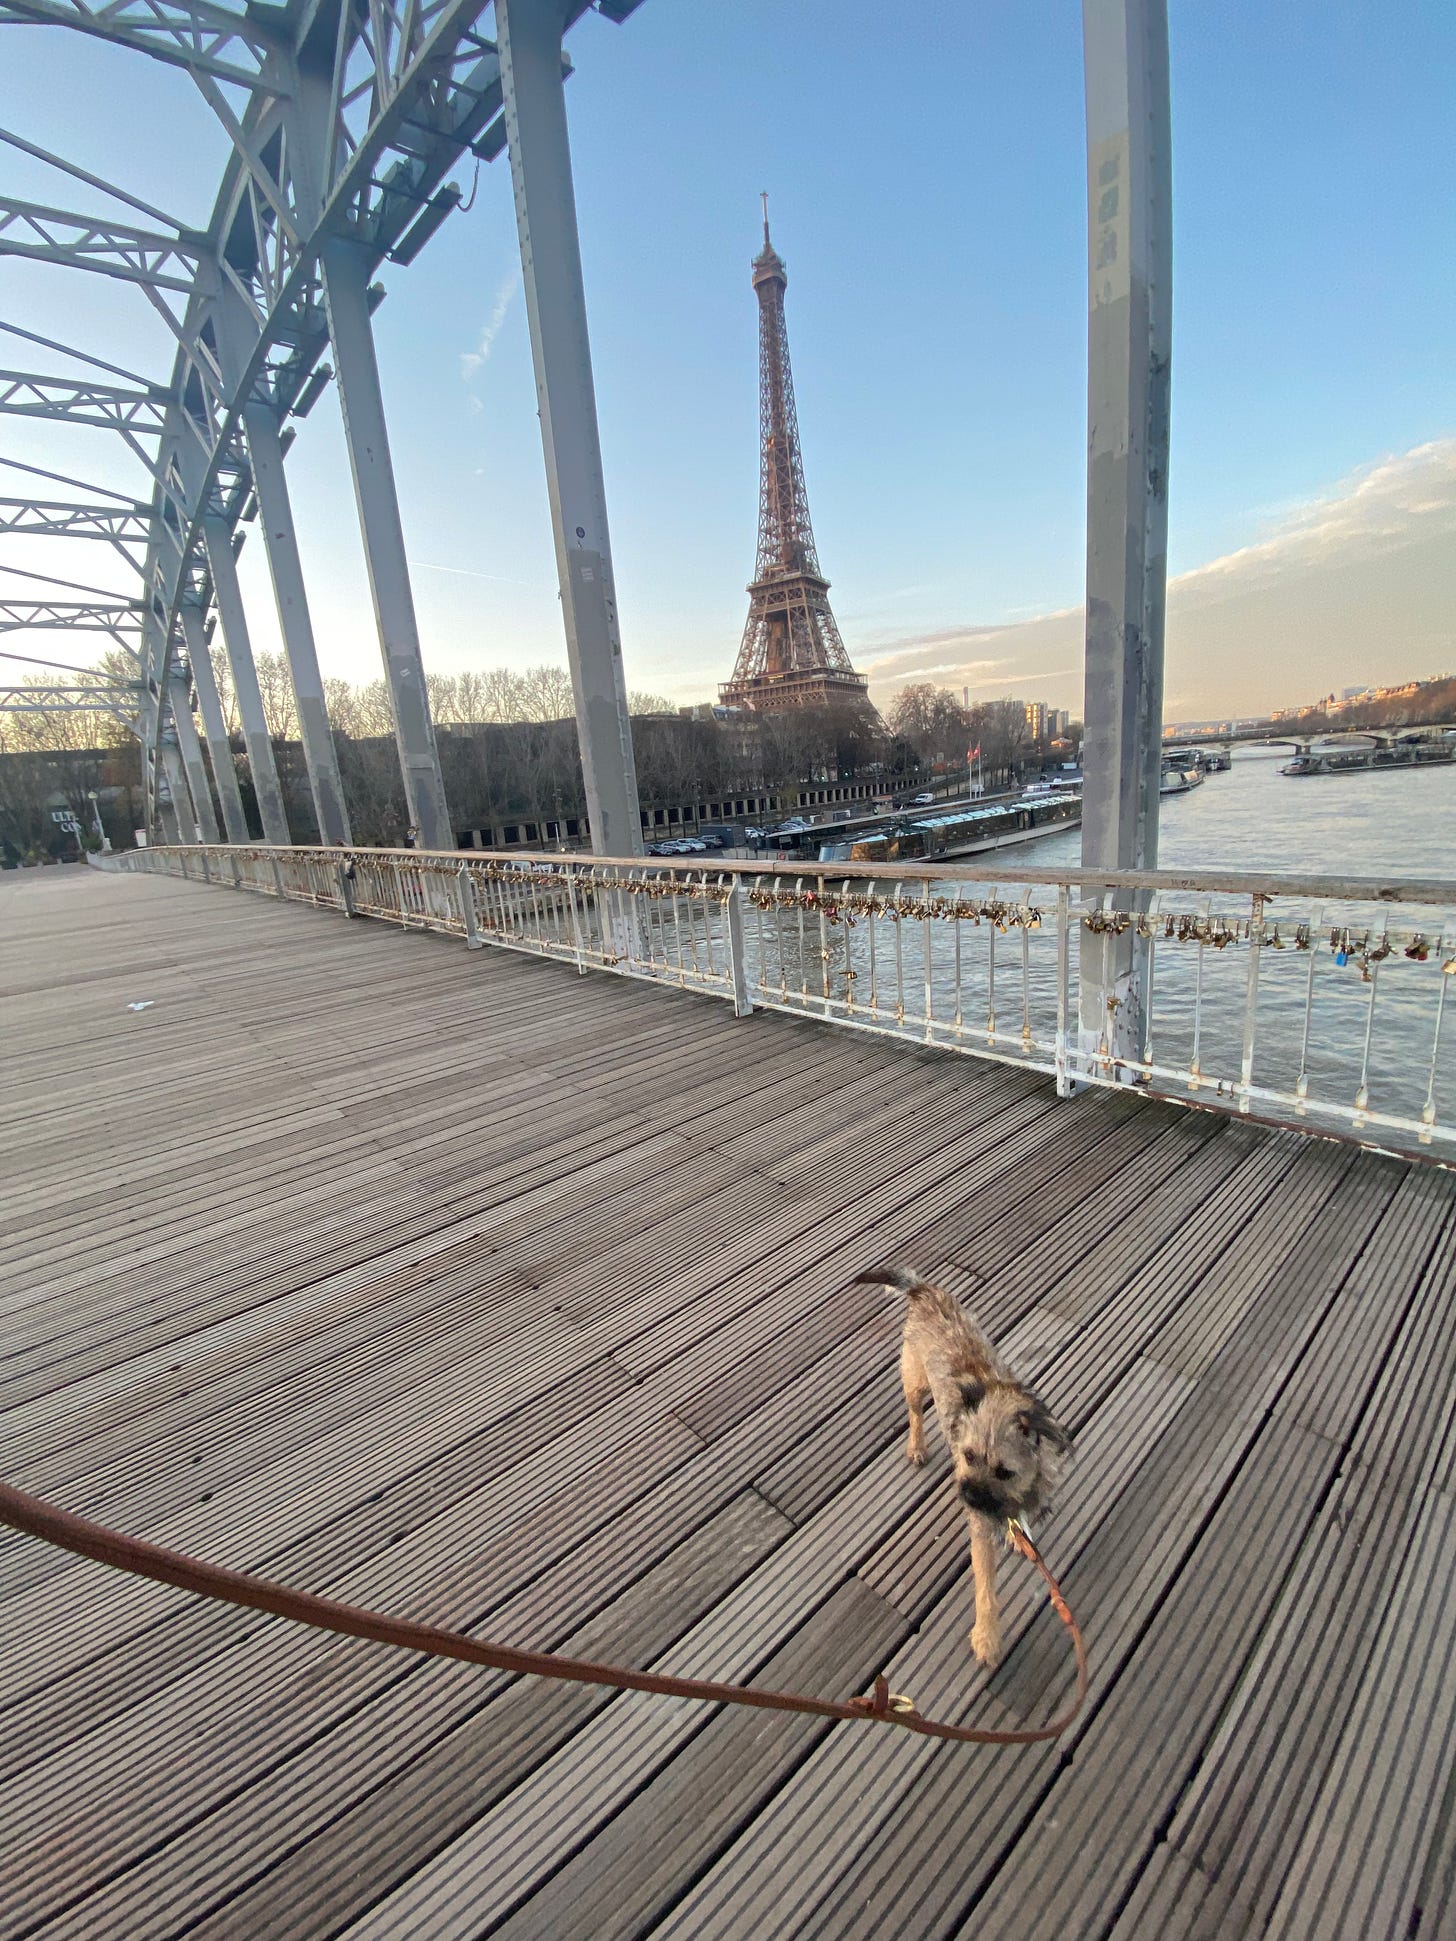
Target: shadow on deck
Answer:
[[467, 1288]]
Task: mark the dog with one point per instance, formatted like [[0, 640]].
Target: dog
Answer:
[[1008, 1451]]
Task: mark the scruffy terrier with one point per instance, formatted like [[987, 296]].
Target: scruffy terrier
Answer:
[[1008, 1451]]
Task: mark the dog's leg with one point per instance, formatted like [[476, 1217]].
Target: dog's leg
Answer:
[[917, 1388], [986, 1637]]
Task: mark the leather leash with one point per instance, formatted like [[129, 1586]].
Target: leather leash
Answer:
[[79, 1535]]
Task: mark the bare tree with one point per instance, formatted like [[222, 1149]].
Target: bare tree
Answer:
[[275, 683], [222, 674], [932, 721], [643, 703], [545, 695]]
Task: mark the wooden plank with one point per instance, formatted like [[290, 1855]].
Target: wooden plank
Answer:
[[549, 1339], [1259, 1789], [896, 1803], [641, 1861], [256, 1875]]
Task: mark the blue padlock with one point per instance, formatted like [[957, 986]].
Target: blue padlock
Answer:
[[1342, 956]]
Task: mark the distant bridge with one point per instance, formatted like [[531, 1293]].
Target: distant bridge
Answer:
[[1272, 734]]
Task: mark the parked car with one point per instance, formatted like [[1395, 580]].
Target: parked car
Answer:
[[924, 800]]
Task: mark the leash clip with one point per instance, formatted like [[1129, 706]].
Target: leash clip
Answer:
[[882, 1703]]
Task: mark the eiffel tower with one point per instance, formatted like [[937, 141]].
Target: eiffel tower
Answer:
[[791, 655]]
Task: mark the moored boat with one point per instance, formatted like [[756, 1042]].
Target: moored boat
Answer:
[[967, 832], [1345, 760]]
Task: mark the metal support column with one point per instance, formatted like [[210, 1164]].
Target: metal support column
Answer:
[[346, 299], [179, 823], [219, 747], [193, 765], [529, 38], [275, 511], [234, 620], [1129, 179]]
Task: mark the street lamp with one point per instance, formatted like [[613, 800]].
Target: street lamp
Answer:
[[95, 800]]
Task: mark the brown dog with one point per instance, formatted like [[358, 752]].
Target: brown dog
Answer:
[[1007, 1450]]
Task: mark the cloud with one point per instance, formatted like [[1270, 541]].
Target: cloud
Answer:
[[1398, 502], [1356, 584], [472, 360]]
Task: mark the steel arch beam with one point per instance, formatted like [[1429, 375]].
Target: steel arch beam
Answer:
[[46, 235], [70, 615], [106, 406], [352, 121], [57, 519], [1130, 261], [207, 40], [530, 44]]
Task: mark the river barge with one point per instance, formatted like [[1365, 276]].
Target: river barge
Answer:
[[967, 832]]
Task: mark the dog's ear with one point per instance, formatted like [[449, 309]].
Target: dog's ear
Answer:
[[973, 1393], [1039, 1424]]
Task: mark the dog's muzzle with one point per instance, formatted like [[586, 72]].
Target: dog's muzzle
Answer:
[[978, 1496]]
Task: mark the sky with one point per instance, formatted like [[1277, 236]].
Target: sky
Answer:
[[925, 170]]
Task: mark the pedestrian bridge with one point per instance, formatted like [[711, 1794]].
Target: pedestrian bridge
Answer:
[[469, 1288]]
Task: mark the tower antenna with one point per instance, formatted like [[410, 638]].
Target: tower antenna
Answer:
[[764, 194]]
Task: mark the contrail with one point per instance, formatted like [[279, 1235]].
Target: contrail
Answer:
[[466, 572]]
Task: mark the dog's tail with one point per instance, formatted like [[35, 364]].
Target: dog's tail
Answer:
[[890, 1275], [913, 1285]]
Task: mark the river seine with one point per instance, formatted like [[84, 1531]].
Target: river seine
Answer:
[[1382, 825]]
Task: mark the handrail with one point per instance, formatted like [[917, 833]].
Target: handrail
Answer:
[[1423, 891], [1320, 999]]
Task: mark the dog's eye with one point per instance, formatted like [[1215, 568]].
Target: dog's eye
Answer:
[[1002, 1473]]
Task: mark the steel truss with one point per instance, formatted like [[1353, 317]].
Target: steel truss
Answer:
[[111, 617], [344, 121]]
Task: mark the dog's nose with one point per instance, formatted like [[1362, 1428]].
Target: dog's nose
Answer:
[[976, 1496]]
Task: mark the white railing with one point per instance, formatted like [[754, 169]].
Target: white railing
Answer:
[[1317, 1000]]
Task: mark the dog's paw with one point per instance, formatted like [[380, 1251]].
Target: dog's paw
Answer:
[[916, 1454], [986, 1643]]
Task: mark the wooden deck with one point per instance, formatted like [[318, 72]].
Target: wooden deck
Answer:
[[464, 1287]]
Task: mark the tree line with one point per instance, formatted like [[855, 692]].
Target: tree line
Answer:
[[508, 751], [1431, 702], [941, 730]]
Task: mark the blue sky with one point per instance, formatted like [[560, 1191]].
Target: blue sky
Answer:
[[926, 191]]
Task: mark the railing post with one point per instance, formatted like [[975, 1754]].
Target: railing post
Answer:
[[1251, 1001], [465, 896], [1066, 1076], [346, 887], [737, 956], [577, 932], [278, 880]]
